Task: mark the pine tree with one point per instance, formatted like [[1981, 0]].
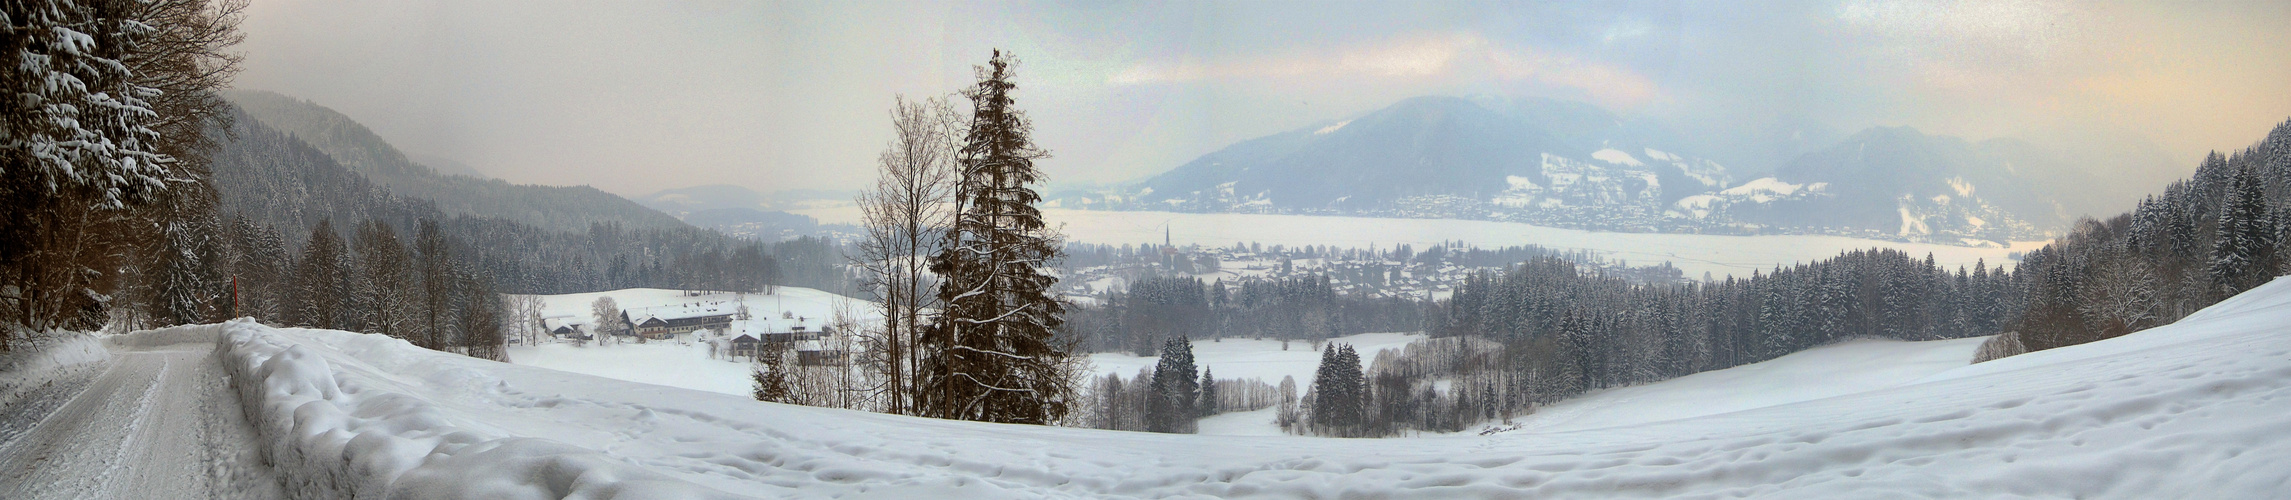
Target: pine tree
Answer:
[[78, 152], [435, 264], [386, 269], [1338, 392], [2243, 253], [993, 352], [321, 279], [1208, 404], [258, 274], [189, 260], [1352, 385], [1175, 391]]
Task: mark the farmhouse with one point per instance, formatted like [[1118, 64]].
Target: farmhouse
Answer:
[[813, 341], [662, 322]]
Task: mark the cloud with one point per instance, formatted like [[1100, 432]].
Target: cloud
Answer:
[[1458, 57]]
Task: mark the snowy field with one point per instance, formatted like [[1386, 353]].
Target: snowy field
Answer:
[[659, 363], [1694, 254], [2191, 410], [684, 362]]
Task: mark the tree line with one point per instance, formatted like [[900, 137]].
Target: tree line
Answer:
[[1546, 330], [101, 115], [1302, 308]]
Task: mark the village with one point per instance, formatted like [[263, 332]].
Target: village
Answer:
[[1398, 272]]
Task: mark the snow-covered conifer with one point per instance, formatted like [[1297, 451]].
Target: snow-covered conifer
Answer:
[[993, 352]]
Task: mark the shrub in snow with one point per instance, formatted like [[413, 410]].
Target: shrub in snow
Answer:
[[2003, 345]]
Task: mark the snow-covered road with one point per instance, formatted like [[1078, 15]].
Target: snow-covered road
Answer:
[[160, 422]]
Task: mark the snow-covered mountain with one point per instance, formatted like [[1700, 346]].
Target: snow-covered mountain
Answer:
[[1571, 164], [1901, 182], [1423, 154]]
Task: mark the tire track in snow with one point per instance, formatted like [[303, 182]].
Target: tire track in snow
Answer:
[[148, 427]]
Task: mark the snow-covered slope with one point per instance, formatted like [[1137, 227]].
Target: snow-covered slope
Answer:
[[1822, 372], [2191, 410]]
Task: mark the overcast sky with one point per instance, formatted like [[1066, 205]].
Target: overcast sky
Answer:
[[639, 96]]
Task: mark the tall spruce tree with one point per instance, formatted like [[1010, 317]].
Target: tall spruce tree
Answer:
[[1171, 407], [435, 264], [1208, 404], [1339, 390], [386, 269], [321, 279], [993, 354], [2243, 253]]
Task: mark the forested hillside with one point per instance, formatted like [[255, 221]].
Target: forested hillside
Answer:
[[358, 149], [276, 180], [2224, 230]]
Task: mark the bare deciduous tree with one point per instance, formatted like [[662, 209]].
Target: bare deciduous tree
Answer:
[[2121, 297], [906, 214], [606, 313], [522, 314]]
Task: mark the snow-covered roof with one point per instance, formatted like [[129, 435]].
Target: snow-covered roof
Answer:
[[688, 310], [552, 323]]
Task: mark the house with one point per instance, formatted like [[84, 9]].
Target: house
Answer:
[[662, 322], [820, 357], [794, 333], [745, 345], [810, 338], [566, 326]]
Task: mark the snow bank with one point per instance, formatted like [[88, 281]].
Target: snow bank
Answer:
[[342, 431], [186, 334], [35, 381], [70, 349]]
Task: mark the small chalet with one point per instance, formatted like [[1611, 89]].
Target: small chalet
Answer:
[[744, 345], [565, 326]]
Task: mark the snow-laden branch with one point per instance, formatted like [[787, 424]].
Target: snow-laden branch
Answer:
[[996, 318], [975, 380], [997, 353]]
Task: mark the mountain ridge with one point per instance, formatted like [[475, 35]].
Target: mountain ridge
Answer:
[[351, 144], [1573, 164]]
